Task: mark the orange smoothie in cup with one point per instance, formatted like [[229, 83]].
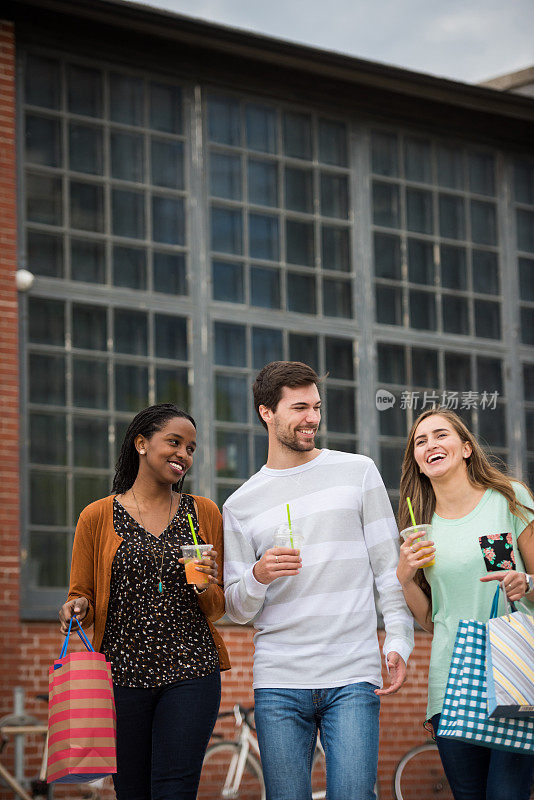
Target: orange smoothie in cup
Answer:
[[426, 533], [190, 553]]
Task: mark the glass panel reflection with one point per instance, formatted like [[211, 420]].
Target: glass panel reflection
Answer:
[[487, 319], [170, 337], [225, 175], [481, 173], [526, 278], [305, 349], [86, 149], [48, 439], [130, 332], [42, 141], [263, 236], [230, 344], [458, 373], [386, 205], [388, 305], [265, 287], [84, 91], [339, 358], [224, 120], [486, 272], [483, 222], [47, 379], [419, 211], [87, 261], [425, 367], [90, 442], [266, 346], [451, 216], [131, 387], [44, 199], [170, 276], [299, 189], [417, 163], [127, 161], [334, 196], [232, 454], [384, 154], [45, 254], [453, 267], [297, 135], [387, 252], [126, 99], [49, 557], [421, 262], [525, 230], [226, 230], [86, 206], [172, 387], [527, 325], [89, 327], [129, 267], [165, 108], [492, 426], [450, 167], [455, 314], [228, 282], [524, 181], [48, 498], [335, 248], [231, 398], [301, 293], [262, 182], [89, 383], [128, 213], [392, 421], [489, 374], [422, 310], [88, 488], [337, 298], [168, 220], [261, 447], [42, 85], [46, 321], [332, 142], [341, 409], [391, 367], [300, 243], [261, 128]]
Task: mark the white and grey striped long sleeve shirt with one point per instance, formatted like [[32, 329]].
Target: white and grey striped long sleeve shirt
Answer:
[[317, 629]]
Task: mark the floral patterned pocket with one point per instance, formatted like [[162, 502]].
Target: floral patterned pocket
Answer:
[[498, 551]]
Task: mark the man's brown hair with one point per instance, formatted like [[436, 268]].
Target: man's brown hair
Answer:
[[271, 380]]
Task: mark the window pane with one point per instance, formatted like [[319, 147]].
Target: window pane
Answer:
[[225, 175], [337, 298], [48, 439], [455, 314], [387, 256], [165, 108], [481, 173], [339, 358], [419, 211], [487, 319], [126, 99], [49, 557], [231, 398], [128, 213], [417, 164], [384, 154], [424, 368], [87, 489], [261, 128], [300, 242], [223, 120], [84, 91], [336, 248], [528, 381], [453, 267], [386, 205], [228, 282], [341, 410], [86, 206], [232, 455], [130, 332], [42, 82], [263, 237], [47, 379], [48, 498], [226, 230], [168, 220], [127, 157], [391, 367], [129, 267], [87, 261], [305, 349], [263, 183], [450, 167], [45, 254], [299, 189], [526, 278], [170, 276], [483, 222], [489, 371], [86, 149], [90, 442], [230, 345], [131, 387], [266, 346], [46, 321], [492, 426], [486, 272], [170, 337], [43, 143], [525, 230], [301, 293], [390, 464], [392, 420], [89, 383], [388, 305], [420, 262], [529, 425], [458, 373], [524, 182], [297, 135], [261, 447], [265, 287], [451, 216], [44, 199], [172, 387], [422, 311], [527, 325], [332, 142], [89, 327], [334, 196]]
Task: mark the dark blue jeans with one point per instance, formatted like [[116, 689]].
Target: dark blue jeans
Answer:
[[162, 735], [480, 773]]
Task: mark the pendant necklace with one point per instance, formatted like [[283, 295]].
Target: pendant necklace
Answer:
[[160, 583]]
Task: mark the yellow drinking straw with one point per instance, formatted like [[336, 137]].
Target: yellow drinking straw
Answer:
[[194, 535], [410, 509], [289, 523]]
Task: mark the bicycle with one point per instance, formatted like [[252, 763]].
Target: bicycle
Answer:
[[420, 774], [232, 768]]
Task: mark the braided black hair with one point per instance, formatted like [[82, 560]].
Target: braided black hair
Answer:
[[146, 423]]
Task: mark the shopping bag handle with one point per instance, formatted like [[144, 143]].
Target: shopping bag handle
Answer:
[[508, 604], [82, 636]]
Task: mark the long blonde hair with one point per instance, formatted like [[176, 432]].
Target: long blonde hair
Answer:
[[481, 473]]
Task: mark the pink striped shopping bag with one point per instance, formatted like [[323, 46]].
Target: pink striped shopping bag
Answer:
[[81, 716]]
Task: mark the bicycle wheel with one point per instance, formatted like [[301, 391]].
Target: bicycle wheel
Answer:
[[318, 775], [219, 768], [419, 774]]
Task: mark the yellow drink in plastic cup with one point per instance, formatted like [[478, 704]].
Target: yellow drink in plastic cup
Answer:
[[426, 533]]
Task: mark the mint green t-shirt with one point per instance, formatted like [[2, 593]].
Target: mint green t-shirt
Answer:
[[457, 592]]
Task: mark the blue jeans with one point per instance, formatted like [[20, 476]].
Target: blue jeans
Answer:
[[287, 721], [162, 735], [481, 773]]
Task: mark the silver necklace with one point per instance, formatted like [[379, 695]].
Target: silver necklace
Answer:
[[160, 582]]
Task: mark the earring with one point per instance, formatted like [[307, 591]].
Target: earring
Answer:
[[142, 452]]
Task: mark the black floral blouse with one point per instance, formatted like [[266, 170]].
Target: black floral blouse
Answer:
[[154, 638]]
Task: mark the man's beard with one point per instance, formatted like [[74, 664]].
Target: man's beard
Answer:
[[290, 440]]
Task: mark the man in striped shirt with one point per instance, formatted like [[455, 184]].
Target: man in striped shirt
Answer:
[[317, 661]]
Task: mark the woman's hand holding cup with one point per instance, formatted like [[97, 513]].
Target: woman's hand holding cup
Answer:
[[415, 553]]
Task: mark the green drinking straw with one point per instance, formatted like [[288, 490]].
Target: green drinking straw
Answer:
[[194, 535], [289, 523], [410, 509]]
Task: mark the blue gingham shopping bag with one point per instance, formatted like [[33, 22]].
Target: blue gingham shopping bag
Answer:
[[465, 709]]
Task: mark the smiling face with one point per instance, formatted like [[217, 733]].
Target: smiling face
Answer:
[[438, 449], [296, 420], [167, 455]]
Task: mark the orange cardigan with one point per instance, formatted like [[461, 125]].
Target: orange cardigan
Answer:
[[95, 545]]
